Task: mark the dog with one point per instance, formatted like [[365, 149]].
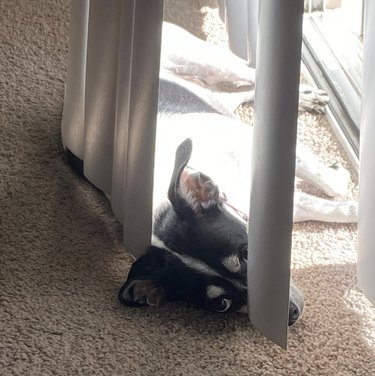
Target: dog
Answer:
[[202, 182], [199, 244]]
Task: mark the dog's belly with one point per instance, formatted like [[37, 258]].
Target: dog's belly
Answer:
[[221, 149]]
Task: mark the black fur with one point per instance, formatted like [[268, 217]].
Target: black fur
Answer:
[[202, 257], [195, 238]]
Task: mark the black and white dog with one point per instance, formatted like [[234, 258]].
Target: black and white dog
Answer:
[[202, 182], [199, 245]]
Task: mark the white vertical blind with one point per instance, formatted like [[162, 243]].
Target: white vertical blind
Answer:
[[366, 209], [273, 159]]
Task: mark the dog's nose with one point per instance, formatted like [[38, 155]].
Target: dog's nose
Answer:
[[296, 304], [294, 313]]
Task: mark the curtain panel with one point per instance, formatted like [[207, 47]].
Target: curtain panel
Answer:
[[111, 100]]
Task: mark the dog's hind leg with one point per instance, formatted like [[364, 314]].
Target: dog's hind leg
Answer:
[[213, 67], [194, 59], [312, 208], [333, 180]]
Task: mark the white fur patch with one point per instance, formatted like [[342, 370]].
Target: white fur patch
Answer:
[[213, 291], [161, 208], [190, 197], [232, 263], [194, 264]]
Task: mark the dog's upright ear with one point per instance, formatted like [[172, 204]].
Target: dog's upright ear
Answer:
[[142, 288], [190, 191], [183, 154]]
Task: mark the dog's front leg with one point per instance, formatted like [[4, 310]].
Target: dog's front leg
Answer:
[[312, 208], [333, 180]]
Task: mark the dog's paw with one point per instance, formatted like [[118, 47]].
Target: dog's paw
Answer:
[[311, 99], [337, 181], [350, 211]]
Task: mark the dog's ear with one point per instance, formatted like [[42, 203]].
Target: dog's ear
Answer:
[[192, 191], [142, 287], [183, 154]]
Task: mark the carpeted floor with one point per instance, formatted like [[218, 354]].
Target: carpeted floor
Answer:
[[62, 260]]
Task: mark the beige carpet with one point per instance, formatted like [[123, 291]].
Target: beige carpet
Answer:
[[62, 260]]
